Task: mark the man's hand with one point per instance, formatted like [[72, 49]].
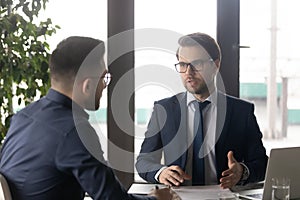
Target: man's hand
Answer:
[[233, 174], [173, 175], [164, 194]]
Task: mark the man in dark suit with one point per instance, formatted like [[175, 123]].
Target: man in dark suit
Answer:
[[51, 151], [205, 136]]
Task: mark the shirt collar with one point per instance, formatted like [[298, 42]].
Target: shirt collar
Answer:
[[190, 98], [64, 100]]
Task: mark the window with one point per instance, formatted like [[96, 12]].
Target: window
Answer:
[[257, 31], [155, 75], [88, 18]]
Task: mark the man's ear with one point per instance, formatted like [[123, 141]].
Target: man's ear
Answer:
[[218, 63], [86, 86]]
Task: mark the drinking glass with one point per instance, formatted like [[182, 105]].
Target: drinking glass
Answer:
[[280, 188]]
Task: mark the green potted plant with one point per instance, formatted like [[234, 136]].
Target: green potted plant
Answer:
[[24, 53]]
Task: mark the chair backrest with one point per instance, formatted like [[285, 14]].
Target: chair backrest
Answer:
[[4, 189]]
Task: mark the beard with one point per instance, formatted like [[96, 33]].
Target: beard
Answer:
[[92, 106], [196, 85], [201, 89]]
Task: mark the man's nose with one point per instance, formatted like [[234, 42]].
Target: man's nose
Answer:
[[189, 69]]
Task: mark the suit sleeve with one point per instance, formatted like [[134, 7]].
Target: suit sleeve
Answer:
[[255, 157], [149, 159], [88, 166]]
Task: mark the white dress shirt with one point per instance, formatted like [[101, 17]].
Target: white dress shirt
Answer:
[[209, 114]]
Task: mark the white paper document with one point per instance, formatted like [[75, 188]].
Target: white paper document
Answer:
[[142, 188], [211, 192]]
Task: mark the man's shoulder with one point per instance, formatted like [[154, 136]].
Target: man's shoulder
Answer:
[[173, 99], [49, 115], [29, 109], [43, 107], [237, 101]]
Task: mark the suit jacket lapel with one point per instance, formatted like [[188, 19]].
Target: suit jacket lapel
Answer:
[[179, 141]]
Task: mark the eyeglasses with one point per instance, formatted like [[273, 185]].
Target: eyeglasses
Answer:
[[196, 65], [106, 78]]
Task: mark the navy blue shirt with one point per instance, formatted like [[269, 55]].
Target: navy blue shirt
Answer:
[[45, 156]]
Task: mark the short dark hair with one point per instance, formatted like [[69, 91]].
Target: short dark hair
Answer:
[[206, 41], [69, 55]]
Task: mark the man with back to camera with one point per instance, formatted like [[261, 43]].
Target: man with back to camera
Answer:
[[206, 136], [51, 151]]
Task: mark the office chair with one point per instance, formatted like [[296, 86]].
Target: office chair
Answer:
[[4, 189]]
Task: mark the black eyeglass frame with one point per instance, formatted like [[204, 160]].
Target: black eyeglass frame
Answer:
[[196, 65], [106, 78]]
